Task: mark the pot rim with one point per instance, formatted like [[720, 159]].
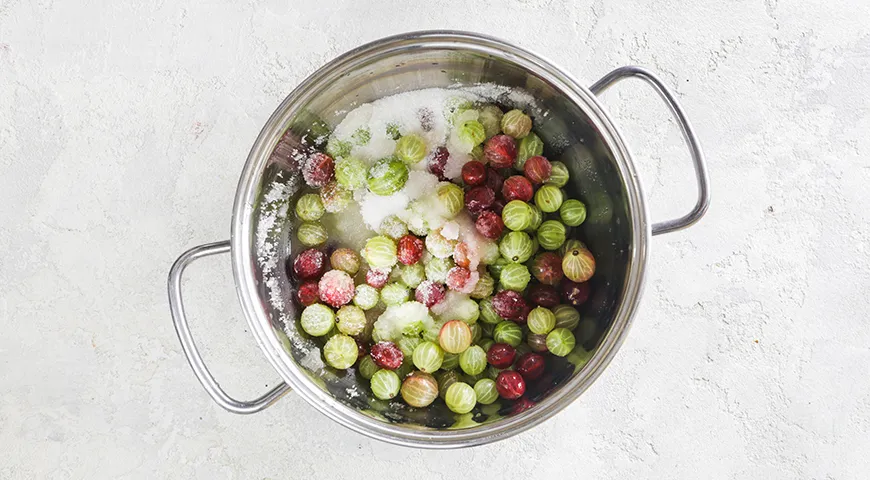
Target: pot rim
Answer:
[[258, 318]]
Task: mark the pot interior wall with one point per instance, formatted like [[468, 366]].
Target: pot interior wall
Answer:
[[569, 137]]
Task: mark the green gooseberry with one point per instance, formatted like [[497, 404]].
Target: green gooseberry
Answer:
[[566, 317], [477, 153], [340, 351], [486, 343], [551, 234], [411, 149], [393, 227], [412, 275], [366, 296], [350, 173], [445, 379], [428, 357], [541, 320], [387, 176], [559, 174], [515, 276], [336, 148], [484, 286], [419, 389], [317, 320], [451, 361], [496, 267], [380, 252], [351, 320], [367, 367], [572, 212], [385, 384], [311, 234], [309, 207], [537, 218], [335, 198], [508, 332], [455, 336], [394, 294], [578, 265], [488, 252], [523, 348], [393, 131], [488, 313], [560, 342], [472, 132], [517, 215], [516, 124], [439, 246], [548, 198], [408, 344], [437, 268], [466, 310], [473, 360], [515, 247], [405, 368], [529, 146], [413, 329], [460, 398], [485, 391], [451, 197], [490, 117], [361, 136]]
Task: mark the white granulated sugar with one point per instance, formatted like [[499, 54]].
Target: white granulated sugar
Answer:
[[375, 208], [420, 184], [456, 160], [397, 317], [450, 230], [509, 96], [346, 229], [468, 233], [452, 299]]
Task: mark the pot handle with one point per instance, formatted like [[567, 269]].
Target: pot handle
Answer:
[[182, 328], [688, 134]]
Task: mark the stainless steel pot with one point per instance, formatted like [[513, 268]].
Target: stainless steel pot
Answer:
[[602, 174]]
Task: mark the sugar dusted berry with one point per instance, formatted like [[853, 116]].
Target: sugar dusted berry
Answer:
[[378, 277], [510, 385], [410, 249], [509, 304], [345, 259], [479, 199], [309, 263], [429, 293], [517, 187], [458, 278], [309, 293], [501, 355], [489, 224], [387, 355], [318, 170], [537, 169], [500, 151], [474, 173], [336, 288]]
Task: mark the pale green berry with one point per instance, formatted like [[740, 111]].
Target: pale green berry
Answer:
[[476, 332], [385, 384], [408, 344], [419, 389], [393, 227], [309, 207], [530, 146], [492, 372], [439, 246], [351, 320], [578, 264], [559, 174], [317, 320], [548, 198], [566, 317], [484, 286], [487, 312], [412, 275], [551, 235], [490, 118], [485, 391], [496, 267], [455, 336], [346, 260], [451, 197], [394, 294], [460, 398], [341, 352], [560, 342], [516, 124], [437, 268], [428, 357], [367, 367], [515, 276], [472, 132], [387, 176], [486, 343], [541, 320], [517, 215], [508, 332], [350, 173], [572, 212], [380, 252], [488, 252], [473, 360], [445, 379], [451, 361], [537, 219], [405, 368], [338, 148], [411, 149], [361, 136], [366, 296], [393, 131], [466, 310], [311, 234], [515, 247], [476, 153]]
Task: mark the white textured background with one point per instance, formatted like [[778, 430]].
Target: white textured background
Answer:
[[124, 126]]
